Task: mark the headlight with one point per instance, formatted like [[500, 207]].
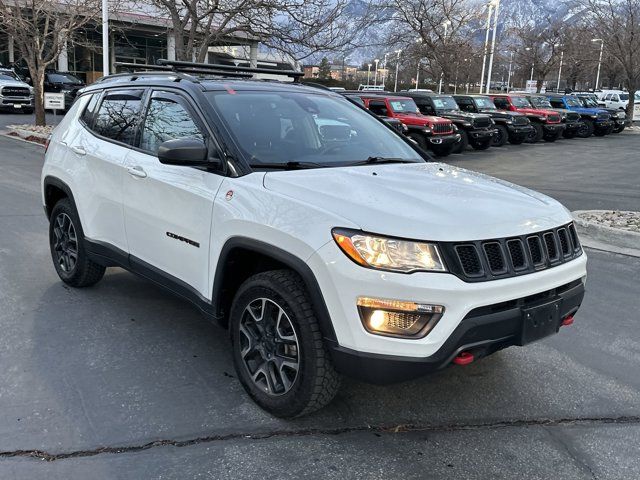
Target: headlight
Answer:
[[31, 90], [621, 115], [466, 124], [405, 128], [508, 122], [593, 116], [389, 253], [65, 91]]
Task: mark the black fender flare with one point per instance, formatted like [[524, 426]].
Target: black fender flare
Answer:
[[282, 256], [56, 182]]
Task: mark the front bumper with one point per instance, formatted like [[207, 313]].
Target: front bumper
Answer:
[[482, 332], [480, 134], [16, 103], [342, 282], [604, 125], [551, 128], [522, 130], [444, 139], [573, 127]]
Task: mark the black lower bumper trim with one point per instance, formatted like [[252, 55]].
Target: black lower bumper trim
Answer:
[[483, 331]]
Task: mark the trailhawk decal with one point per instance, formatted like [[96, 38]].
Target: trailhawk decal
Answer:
[[183, 239]]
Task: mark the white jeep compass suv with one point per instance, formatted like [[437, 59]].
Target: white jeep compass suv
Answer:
[[325, 241]]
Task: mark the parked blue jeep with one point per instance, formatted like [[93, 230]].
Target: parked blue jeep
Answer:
[[595, 121]]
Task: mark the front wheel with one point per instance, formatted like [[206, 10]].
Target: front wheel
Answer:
[[68, 251], [619, 129], [536, 135], [278, 351], [552, 137], [420, 140], [500, 137], [462, 145], [586, 129]]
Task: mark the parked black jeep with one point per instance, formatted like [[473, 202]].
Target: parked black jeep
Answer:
[[618, 116], [62, 82], [571, 120], [476, 129], [513, 127]]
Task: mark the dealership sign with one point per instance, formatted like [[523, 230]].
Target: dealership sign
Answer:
[[54, 101]]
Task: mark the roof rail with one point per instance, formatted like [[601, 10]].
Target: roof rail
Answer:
[[137, 67], [181, 66]]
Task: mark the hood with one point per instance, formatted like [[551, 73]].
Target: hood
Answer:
[[502, 113], [587, 110], [13, 83], [460, 114], [538, 111], [419, 119], [428, 201]]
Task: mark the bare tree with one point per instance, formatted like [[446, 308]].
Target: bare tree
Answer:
[[443, 30], [617, 23], [41, 30]]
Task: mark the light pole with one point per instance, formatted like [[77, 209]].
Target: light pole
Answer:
[[384, 70], [509, 76], [444, 40], [599, 60], [368, 73], [105, 37], [418, 74], [486, 43], [493, 43], [395, 86], [375, 74], [560, 68]]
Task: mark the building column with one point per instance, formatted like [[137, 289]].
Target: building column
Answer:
[[253, 54], [171, 46], [12, 57], [63, 59]]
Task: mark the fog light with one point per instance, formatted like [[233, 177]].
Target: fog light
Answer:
[[398, 318]]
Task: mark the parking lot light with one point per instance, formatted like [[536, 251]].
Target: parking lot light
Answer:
[[599, 60], [486, 42], [398, 52], [375, 73]]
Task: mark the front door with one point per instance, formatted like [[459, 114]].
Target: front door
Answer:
[[167, 208]]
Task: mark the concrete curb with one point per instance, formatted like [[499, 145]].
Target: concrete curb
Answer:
[[20, 139], [603, 237]]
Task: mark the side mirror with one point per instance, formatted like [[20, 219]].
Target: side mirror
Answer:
[[184, 151]]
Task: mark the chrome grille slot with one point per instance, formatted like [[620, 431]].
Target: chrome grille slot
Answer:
[[495, 258], [441, 128]]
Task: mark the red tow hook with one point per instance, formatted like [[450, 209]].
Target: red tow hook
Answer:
[[464, 358], [567, 321]]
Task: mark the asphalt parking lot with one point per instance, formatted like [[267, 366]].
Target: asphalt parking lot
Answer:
[[123, 380]]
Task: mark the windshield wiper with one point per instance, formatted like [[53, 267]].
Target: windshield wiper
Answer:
[[287, 165], [380, 160]]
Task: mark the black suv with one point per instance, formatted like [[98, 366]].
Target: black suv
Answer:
[[63, 82], [476, 129], [571, 120], [513, 127]]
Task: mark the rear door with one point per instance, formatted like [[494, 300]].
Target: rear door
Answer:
[[168, 208]]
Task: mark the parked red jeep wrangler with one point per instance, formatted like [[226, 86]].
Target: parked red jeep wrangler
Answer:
[[434, 133], [547, 123]]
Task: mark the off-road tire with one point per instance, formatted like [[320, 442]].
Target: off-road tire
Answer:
[[586, 130], [84, 272], [537, 134], [420, 140], [462, 145], [552, 137], [317, 382], [501, 137]]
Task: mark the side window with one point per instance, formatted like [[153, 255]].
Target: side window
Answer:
[[378, 107], [556, 103], [90, 109], [614, 98], [166, 119], [117, 117], [607, 96], [465, 104], [501, 103]]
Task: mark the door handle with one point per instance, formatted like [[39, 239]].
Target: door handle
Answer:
[[137, 171], [78, 150]]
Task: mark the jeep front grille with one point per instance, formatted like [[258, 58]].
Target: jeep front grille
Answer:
[[482, 122], [573, 117], [553, 118], [520, 120], [15, 92], [603, 116], [442, 128], [509, 257]]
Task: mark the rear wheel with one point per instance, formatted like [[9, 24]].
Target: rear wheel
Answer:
[[66, 240], [537, 133], [586, 129], [500, 137], [278, 351]]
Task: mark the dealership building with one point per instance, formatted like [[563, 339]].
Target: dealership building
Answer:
[[143, 37]]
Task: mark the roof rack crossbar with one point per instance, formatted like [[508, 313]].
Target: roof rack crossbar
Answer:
[[141, 67], [179, 65]]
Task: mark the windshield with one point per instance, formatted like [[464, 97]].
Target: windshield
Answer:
[[540, 102], [445, 103], [520, 102], [64, 78], [318, 130], [589, 102], [7, 75], [573, 102], [403, 105], [484, 103]]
